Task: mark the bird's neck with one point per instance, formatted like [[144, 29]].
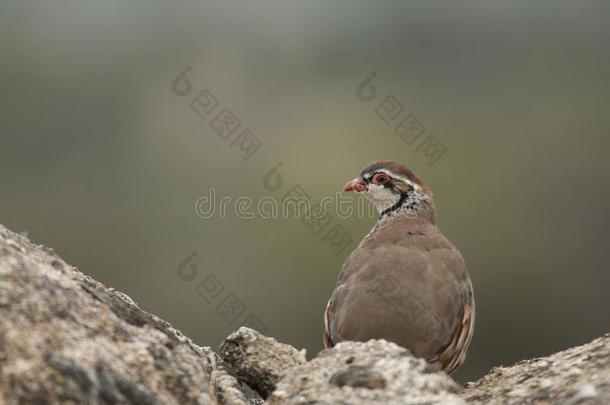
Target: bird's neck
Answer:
[[413, 204]]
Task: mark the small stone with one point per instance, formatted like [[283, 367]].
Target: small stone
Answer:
[[259, 360]]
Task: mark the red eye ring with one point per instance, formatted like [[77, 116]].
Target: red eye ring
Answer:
[[381, 178]]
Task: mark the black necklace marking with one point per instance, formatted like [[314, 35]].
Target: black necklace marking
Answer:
[[403, 198]]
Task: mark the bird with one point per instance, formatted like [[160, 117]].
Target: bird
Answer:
[[405, 282]]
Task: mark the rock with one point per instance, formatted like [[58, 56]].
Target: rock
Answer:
[[65, 338], [575, 376], [375, 372], [260, 361]]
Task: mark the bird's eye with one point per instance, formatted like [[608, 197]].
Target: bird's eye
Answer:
[[381, 178]]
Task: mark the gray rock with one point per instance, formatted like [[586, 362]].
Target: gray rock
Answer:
[[580, 375], [65, 338], [375, 372], [259, 360]]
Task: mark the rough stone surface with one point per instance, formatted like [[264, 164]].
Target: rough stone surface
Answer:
[[259, 360], [377, 372], [575, 376], [65, 338]]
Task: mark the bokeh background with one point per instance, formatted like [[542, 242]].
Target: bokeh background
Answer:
[[100, 160]]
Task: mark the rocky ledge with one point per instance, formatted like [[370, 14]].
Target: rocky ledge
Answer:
[[66, 338]]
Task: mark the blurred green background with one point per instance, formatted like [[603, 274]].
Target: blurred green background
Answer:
[[100, 160]]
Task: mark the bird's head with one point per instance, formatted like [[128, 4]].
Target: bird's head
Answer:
[[388, 185]]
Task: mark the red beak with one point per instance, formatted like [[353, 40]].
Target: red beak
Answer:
[[356, 184]]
